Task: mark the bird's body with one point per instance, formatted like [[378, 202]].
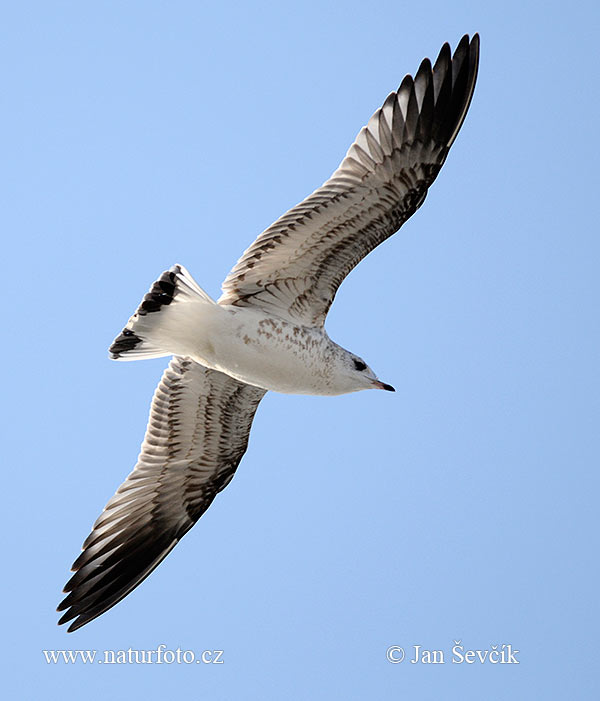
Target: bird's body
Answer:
[[276, 354], [266, 332], [267, 352], [253, 346]]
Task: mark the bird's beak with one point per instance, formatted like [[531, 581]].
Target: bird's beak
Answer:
[[382, 385]]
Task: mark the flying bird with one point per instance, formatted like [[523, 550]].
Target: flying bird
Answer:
[[266, 331]]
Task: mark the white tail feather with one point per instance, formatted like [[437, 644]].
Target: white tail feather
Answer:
[[161, 324]]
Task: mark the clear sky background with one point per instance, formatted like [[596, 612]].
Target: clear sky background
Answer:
[[463, 507]]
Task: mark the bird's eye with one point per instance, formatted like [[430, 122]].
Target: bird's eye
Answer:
[[359, 365]]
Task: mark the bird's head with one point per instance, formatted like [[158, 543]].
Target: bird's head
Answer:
[[353, 374]]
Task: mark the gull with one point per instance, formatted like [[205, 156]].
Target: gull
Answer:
[[265, 332]]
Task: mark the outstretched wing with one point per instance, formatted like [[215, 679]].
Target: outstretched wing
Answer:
[[295, 267], [197, 433]]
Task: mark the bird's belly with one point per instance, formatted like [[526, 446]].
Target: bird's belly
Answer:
[[268, 353]]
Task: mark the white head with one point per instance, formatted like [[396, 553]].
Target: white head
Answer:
[[352, 374]]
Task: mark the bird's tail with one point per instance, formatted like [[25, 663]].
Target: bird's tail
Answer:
[[164, 322]]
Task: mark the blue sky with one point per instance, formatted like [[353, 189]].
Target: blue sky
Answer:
[[463, 507]]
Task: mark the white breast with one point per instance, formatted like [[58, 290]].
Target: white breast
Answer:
[[265, 351]]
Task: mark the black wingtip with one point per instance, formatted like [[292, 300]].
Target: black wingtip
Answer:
[[424, 69], [475, 54], [462, 44], [462, 77], [406, 83]]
